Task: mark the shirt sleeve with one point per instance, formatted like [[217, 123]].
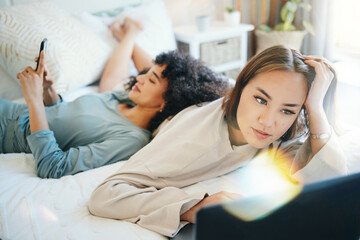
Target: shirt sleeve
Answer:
[[53, 162], [329, 162], [157, 208], [147, 189]]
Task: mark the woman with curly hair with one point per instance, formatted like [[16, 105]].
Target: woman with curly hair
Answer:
[[99, 129], [282, 105]]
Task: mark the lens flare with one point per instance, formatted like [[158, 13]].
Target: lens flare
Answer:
[[46, 213], [268, 176]]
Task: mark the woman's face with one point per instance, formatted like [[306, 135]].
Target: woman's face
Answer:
[[149, 89], [269, 105]]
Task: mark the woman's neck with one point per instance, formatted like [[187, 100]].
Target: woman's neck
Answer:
[[139, 116], [235, 136]]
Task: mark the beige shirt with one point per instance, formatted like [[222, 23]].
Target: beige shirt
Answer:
[[192, 147]]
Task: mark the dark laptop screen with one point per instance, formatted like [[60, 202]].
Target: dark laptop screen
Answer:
[[323, 210]]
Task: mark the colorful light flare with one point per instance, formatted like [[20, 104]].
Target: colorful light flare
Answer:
[[268, 175]]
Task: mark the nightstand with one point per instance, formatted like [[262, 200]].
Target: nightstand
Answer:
[[223, 48]]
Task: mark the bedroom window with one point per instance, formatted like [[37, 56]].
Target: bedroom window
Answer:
[[346, 33]]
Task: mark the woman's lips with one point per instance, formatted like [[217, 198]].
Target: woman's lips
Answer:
[[135, 88], [260, 134]]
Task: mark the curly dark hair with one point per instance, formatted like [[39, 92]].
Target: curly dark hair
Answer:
[[189, 83]]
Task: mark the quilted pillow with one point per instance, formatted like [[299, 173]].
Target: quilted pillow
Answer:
[[75, 56]]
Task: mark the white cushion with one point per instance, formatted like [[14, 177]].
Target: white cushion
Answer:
[[75, 56], [157, 36], [10, 89]]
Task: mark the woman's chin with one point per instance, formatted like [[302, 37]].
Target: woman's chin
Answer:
[[132, 95], [259, 144]]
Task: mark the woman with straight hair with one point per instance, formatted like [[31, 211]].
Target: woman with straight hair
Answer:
[[282, 101]]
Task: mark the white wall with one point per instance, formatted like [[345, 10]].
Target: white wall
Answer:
[[182, 11]]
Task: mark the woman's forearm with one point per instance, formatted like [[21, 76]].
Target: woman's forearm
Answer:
[[37, 117], [141, 58], [50, 96], [117, 68], [319, 126]]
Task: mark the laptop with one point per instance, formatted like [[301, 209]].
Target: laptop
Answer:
[[323, 210]]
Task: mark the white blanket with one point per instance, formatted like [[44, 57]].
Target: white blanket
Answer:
[[35, 208]]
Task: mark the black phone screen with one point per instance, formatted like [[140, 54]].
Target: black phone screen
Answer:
[[43, 45]]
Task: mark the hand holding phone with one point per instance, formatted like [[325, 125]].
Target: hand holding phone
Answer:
[[43, 46]]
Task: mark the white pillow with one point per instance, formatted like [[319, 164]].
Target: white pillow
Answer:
[[75, 56], [157, 36], [9, 88]]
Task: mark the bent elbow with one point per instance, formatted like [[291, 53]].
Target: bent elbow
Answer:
[[96, 204], [112, 200], [101, 204]]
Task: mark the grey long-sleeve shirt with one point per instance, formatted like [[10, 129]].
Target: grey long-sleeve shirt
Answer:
[[84, 134], [192, 147]]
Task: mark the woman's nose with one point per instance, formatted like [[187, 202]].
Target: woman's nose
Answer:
[[140, 79], [267, 118]]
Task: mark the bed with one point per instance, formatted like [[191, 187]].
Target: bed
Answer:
[[34, 208]]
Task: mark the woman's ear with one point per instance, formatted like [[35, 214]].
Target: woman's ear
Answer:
[[162, 106]]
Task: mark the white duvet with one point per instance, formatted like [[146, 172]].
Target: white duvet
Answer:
[[35, 208]]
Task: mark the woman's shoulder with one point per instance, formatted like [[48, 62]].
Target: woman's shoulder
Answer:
[[196, 121], [120, 96]]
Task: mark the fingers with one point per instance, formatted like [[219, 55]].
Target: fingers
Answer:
[[231, 195], [133, 22], [20, 75], [41, 68], [115, 25], [320, 67], [320, 62], [317, 58], [28, 71]]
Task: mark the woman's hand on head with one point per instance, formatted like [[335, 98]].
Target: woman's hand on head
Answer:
[[31, 81], [216, 198], [321, 83]]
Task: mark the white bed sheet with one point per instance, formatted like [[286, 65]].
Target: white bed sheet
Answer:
[[35, 208]]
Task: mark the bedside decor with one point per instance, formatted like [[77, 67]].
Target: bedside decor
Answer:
[[285, 33], [232, 17]]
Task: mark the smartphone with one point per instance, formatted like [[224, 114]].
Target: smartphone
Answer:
[[43, 46]]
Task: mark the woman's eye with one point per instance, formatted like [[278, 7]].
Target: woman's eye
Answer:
[[152, 81], [288, 112], [261, 100]]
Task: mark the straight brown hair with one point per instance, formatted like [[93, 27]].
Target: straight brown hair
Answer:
[[285, 59]]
